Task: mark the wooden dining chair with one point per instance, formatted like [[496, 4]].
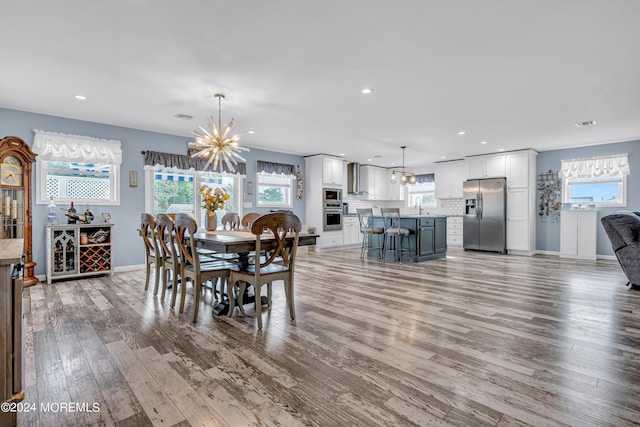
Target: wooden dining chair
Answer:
[[170, 253], [248, 219], [230, 221], [281, 225], [193, 270], [153, 253]]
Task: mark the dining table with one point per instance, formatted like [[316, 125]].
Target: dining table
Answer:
[[242, 243]]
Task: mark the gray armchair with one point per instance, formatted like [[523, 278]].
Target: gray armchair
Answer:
[[623, 229]]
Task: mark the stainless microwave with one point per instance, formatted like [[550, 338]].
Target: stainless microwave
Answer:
[[332, 195]]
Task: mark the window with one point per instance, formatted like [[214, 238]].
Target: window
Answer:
[[596, 191], [174, 191], [600, 181], [275, 191], [75, 168], [423, 194], [83, 183]]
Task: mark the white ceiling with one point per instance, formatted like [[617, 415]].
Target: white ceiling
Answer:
[[516, 73]]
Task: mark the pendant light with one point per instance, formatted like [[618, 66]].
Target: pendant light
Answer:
[[409, 178]]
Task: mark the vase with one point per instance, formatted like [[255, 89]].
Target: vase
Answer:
[[211, 221]]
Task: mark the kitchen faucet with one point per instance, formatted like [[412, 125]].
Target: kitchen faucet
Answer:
[[419, 204]]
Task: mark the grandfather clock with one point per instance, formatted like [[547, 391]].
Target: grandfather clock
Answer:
[[16, 158]]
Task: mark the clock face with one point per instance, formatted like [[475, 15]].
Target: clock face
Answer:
[[10, 174]]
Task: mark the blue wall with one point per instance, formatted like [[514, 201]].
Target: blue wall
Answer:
[[126, 217], [548, 233]]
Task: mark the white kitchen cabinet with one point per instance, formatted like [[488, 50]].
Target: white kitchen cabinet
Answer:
[[519, 215], [372, 181], [578, 234], [332, 171], [330, 239], [492, 166], [351, 231], [449, 177], [454, 231], [518, 167]]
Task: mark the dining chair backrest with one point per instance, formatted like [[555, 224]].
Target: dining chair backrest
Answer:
[[281, 225], [185, 223], [232, 220], [165, 237], [248, 219], [148, 226]]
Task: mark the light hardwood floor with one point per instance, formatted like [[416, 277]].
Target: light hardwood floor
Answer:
[[473, 339]]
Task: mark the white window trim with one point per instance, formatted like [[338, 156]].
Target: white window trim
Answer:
[[290, 186], [622, 183], [197, 179], [41, 189], [53, 146]]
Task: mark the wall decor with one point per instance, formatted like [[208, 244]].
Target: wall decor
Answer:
[[549, 196], [299, 179], [249, 188], [133, 179]]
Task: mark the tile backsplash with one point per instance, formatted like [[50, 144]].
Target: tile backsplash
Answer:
[[444, 207]]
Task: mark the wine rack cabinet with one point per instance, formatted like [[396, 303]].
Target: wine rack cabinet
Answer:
[[76, 250]]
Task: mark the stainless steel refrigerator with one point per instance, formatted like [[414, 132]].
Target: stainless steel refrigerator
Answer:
[[485, 215]]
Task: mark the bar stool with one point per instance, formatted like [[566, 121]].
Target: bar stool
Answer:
[[367, 229], [394, 234]]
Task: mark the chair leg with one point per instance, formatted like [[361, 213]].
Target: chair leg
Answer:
[[197, 290], [288, 288], [156, 280], [258, 305], [165, 281], [268, 295], [365, 243], [183, 294], [232, 301], [147, 276]]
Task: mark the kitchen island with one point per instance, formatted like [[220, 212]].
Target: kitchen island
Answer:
[[427, 238]]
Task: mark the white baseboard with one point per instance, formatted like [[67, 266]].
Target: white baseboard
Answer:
[[539, 252], [128, 268]]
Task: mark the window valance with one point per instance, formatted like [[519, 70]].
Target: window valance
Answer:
[[596, 167], [76, 148], [271, 168], [184, 162], [424, 178]]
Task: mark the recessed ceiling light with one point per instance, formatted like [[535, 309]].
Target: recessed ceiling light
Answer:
[[392, 164], [367, 90], [587, 123], [251, 132], [342, 154], [443, 157], [369, 160], [483, 142], [461, 132], [80, 97], [501, 149]]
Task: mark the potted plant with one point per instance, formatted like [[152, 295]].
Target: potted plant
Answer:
[[212, 200]]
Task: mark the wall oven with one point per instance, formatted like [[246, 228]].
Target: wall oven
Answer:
[[332, 195], [332, 219]]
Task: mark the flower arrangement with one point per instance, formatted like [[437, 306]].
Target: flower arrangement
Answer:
[[213, 199]]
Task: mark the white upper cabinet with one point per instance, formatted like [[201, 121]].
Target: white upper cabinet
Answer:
[[493, 166], [518, 170], [449, 177], [376, 182], [332, 171]]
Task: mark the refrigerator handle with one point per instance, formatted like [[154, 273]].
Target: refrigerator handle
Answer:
[[480, 206]]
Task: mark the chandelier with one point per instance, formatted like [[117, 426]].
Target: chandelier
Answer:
[[404, 179], [215, 144]]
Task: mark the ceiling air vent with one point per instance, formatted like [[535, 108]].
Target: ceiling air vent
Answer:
[[183, 116], [587, 123]]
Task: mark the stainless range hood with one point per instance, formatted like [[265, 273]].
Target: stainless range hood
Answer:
[[353, 179]]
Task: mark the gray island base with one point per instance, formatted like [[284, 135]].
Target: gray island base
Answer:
[[427, 238]]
